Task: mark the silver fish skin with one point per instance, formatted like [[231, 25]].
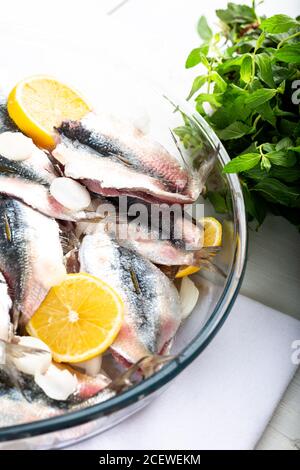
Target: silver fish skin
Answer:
[[29, 403], [160, 236], [31, 256], [113, 158], [30, 181], [152, 307], [6, 123]]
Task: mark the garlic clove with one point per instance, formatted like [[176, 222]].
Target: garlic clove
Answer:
[[16, 146], [57, 383], [70, 193], [189, 295], [92, 367], [5, 306], [33, 363]]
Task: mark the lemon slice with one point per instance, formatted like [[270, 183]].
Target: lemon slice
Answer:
[[38, 104], [79, 319], [212, 237]]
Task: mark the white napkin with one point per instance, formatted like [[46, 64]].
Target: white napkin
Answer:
[[223, 400]]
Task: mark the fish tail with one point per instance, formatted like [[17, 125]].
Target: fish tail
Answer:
[[16, 314], [203, 258]]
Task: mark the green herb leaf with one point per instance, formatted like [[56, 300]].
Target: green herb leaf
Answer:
[[284, 143], [218, 200], [213, 99], [259, 97], [265, 72], [260, 41], [265, 163], [253, 203], [203, 29], [234, 131], [289, 53], [197, 84], [236, 14], [246, 69], [276, 191], [242, 163], [215, 77], [278, 24], [267, 113], [290, 175], [197, 56], [282, 158]]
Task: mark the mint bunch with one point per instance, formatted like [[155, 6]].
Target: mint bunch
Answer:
[[250, 96]]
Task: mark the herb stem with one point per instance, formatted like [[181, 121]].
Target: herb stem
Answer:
[[295, 35]]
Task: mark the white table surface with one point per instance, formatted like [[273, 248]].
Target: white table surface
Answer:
[[156, 37]]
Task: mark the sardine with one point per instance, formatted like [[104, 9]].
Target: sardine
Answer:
[[163, 237], [113, 158], [6, 123], [29, 403], [31, 256], [30, 181], [152, 307], [157, 234]]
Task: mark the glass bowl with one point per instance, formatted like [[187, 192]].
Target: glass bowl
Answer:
[[114, 87]]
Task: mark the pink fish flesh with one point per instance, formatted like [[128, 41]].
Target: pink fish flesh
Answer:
[[114, 158]]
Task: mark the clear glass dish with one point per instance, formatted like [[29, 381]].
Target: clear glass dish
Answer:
[[114, 87]]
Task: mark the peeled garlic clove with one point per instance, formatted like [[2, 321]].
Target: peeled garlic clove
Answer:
[[91, 367], [189, 295], [5, 306], [70, 193], [16, 146], [57, 383], [33, 363]]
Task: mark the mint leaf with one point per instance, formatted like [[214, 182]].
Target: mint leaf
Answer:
[[282, 158], [203, 29], [218, 200], [213, 99], [242, 163], [278, 192], [197, 56], [230, 64], [234, 131], [260, 41], [267, 113], [278, 24], [290, 175], [236, 14], [259, 97], [284, 143], [215, 77], [246, 69], [197, 84], [265, 163], [289, 53], [249, 200], [265, 72]]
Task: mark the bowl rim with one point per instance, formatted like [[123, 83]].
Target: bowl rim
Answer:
[[170, 370]]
